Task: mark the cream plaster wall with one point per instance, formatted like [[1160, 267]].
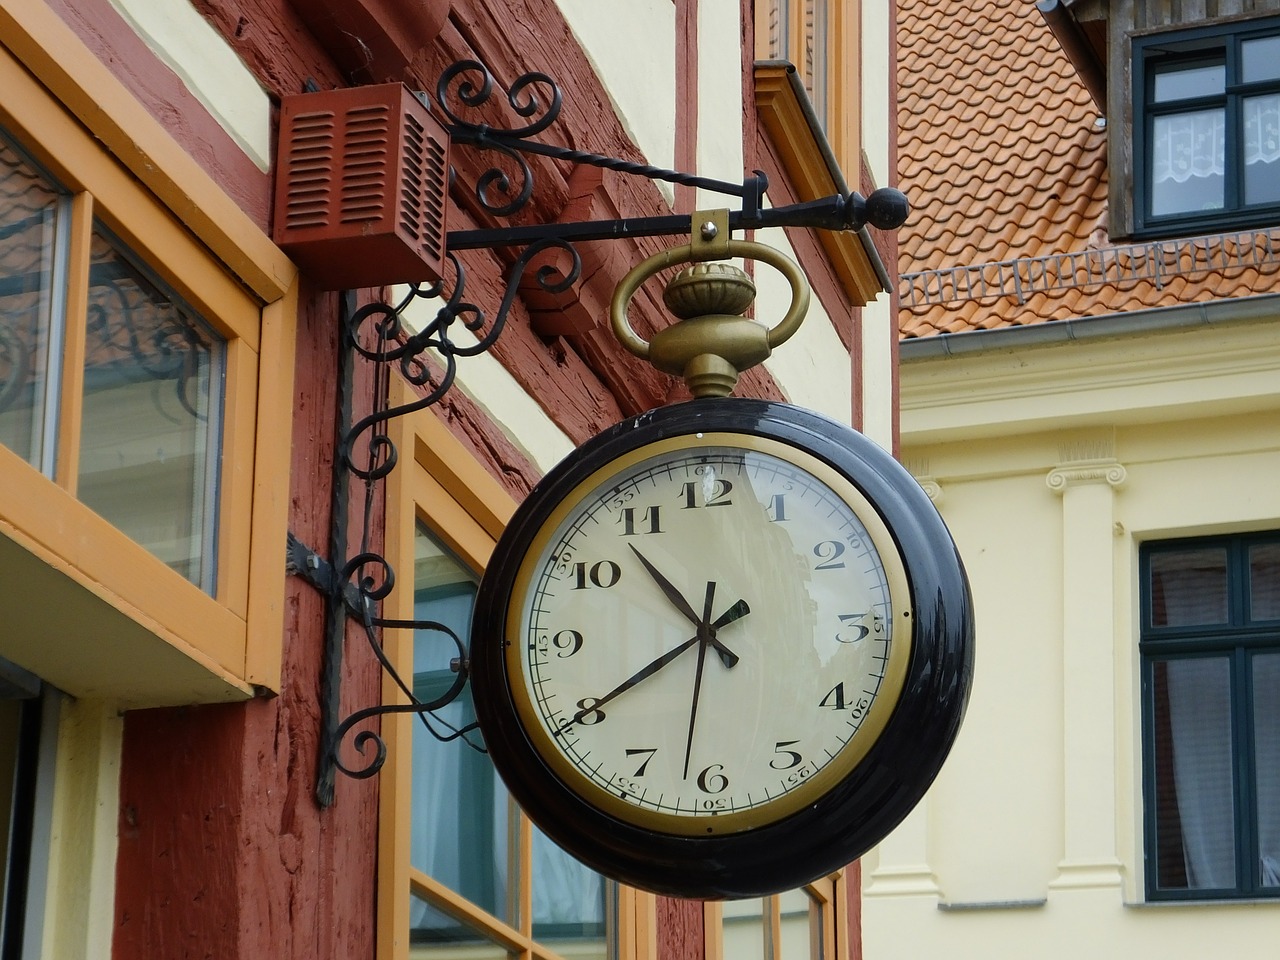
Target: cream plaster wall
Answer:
[[1051, 466], [193, 50], [632, 46], [877, 108], [486, 381], [719, 153]]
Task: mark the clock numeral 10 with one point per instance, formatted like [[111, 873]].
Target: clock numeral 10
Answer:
[[651, 518], [603, 574]]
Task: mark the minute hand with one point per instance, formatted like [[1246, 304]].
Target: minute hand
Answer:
[[727, 656], [735, 612]]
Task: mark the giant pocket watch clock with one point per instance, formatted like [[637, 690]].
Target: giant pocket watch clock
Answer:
[[722, 649]]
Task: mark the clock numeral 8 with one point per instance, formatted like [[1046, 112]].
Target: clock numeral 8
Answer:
[[588, 713]]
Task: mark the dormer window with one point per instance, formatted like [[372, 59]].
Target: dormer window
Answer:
[[1207, 129]]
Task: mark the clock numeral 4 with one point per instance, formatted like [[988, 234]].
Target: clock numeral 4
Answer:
[[603, 574], [835, 700]]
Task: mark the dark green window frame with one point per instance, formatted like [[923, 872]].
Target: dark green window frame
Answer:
[[1243, 648], [1157, 54]]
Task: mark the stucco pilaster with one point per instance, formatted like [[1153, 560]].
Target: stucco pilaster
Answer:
[[1087, 478]]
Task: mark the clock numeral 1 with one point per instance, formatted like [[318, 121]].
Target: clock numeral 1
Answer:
[[718, 495], [777, 508], [648, 755], [651, 516], [603, 574], [789, 757], [709, 782]]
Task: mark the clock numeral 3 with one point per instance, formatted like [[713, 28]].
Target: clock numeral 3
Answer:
[[603, 574], [852, 632]]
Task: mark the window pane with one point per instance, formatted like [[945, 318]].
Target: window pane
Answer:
[[152, 409], [1264, 581], [463, 832], [1187, 151], [1194, 792], [463, 941], [1260, 59], [28, 217], [1262, 149], [1266, 735], [1189, 587], [796, 926], [1189, 81], [815, 57], [746, 935], [568, 902]]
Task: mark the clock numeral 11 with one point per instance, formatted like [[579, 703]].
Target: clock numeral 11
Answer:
[[650, 521]]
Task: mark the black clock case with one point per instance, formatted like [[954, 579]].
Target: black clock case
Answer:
[[859, 811]]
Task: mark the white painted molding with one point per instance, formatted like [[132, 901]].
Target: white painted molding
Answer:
[[1109, 471]]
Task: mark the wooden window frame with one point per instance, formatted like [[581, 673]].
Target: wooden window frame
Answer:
[[442, 486], [1218, 42], [1235, 641], [830, 941], [160, 640]]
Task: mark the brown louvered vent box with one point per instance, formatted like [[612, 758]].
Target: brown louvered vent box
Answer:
[[361, 187]]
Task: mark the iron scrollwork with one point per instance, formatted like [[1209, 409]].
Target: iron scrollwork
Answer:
[[428, 357]]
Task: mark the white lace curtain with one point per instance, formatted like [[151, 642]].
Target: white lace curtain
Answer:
[[1193, 144]]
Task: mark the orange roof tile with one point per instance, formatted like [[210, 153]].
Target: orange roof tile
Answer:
[[1002, 156]]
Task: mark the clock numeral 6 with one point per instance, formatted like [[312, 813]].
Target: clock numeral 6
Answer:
[[603, 574], [709, 782]]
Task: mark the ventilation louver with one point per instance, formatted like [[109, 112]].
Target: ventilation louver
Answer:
[[361, 187]]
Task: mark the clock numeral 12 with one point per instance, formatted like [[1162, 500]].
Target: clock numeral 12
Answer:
[[720, 490]]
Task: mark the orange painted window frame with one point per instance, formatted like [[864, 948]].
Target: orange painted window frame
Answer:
[[440, 484], [161, 640]]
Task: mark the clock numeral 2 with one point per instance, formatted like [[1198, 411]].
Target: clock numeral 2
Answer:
[[603, 574], [651, 516], [829, 551], [719, 497]]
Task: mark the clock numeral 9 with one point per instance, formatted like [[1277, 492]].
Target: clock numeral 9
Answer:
[[829, 551], [567, 642], [709, 782], [603, 574]]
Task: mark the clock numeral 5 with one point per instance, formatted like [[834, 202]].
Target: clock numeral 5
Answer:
[[792, 758], [603, 574]]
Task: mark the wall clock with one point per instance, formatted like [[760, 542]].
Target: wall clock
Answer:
[[722, 649]]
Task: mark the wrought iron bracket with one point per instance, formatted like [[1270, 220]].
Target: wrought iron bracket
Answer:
[[427, 358]]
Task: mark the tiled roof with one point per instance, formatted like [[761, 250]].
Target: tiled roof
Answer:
[[1003, 158]]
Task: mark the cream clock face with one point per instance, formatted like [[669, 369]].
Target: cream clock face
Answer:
[[708, 633]]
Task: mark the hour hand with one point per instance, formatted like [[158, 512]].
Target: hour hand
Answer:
[[739, 609]]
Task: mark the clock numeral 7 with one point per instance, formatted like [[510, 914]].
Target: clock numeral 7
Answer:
[[603, 574], [648, 753]]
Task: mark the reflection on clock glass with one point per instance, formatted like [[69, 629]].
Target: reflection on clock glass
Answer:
[[706, 632]]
